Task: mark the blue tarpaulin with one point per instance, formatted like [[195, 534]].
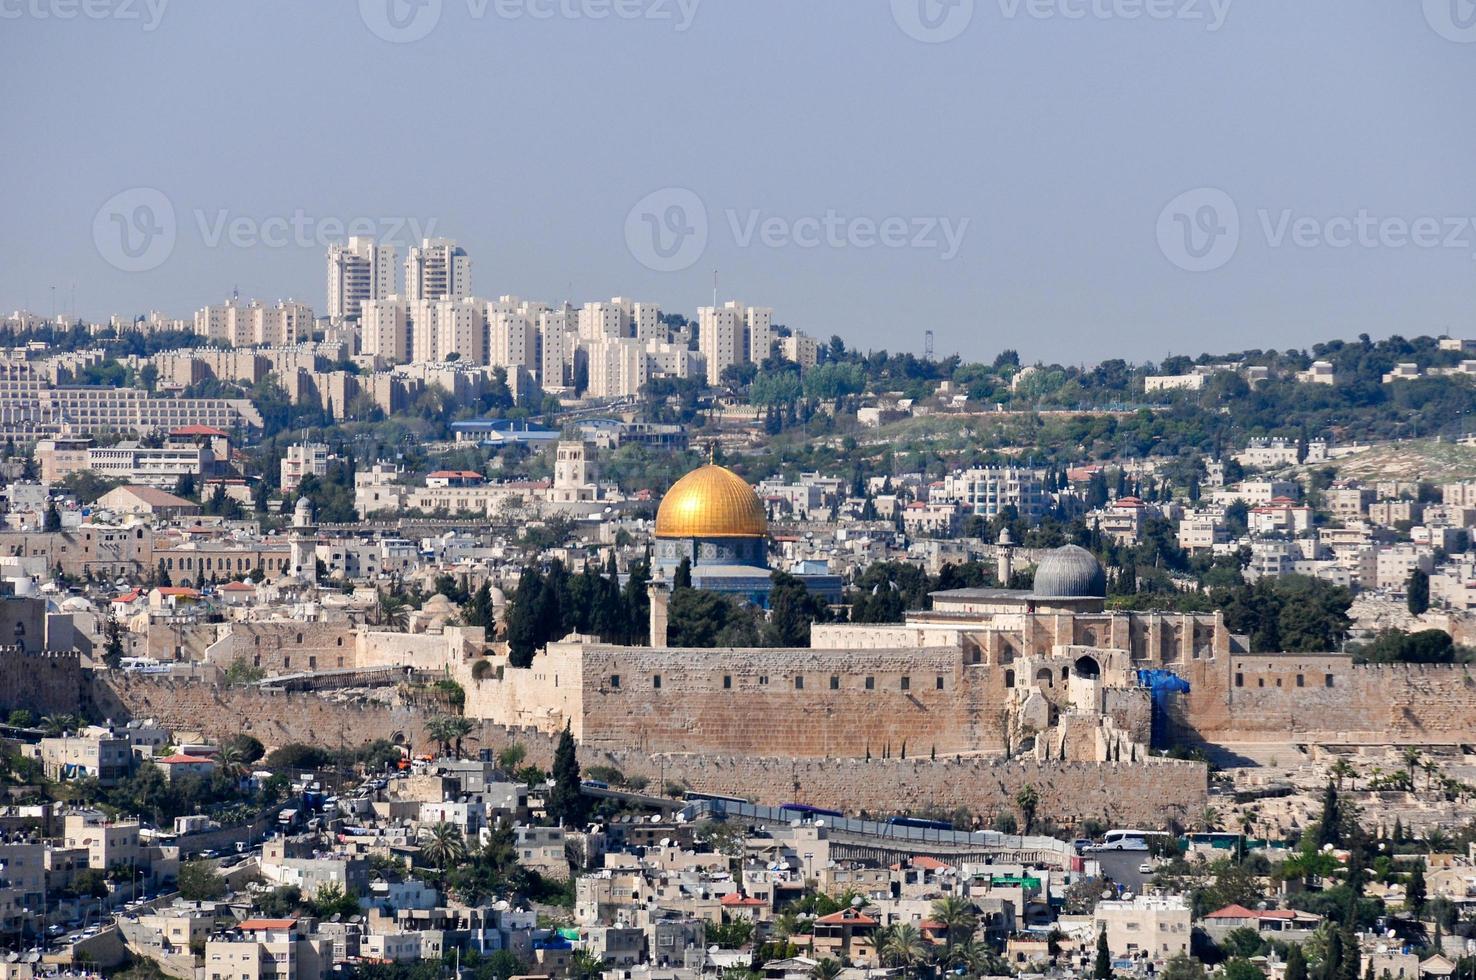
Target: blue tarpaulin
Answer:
[[1161, 685]]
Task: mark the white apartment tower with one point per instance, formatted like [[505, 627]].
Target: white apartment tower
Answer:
[[512, 338], [617, 367], [733, 334], [252, 324], [445, 327], [437, 268], [358, 271], [558, 342], [384, 329]]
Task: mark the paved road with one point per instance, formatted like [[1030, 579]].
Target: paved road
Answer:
[[1122, 867]]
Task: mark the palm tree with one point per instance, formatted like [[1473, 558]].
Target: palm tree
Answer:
[[58, 724], [584, 965], [1343, 769], [394, 611], [826, 969], [902, 945], [1412, 756], [444, 730], [442, 843], [231, 760], [975, 957], [458, 728], [958, 915]]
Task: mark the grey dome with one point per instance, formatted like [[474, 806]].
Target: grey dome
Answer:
[[1070, 573]]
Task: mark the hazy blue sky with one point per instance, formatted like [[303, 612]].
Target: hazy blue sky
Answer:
[[1055, 135]]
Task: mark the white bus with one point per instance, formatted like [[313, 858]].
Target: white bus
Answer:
[[1130, 840]]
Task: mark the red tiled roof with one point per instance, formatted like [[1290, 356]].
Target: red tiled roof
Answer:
[[845, 916], [737, 899], [448, 474], [237, 587], [1233, 912], [174, 760], [130, 596]]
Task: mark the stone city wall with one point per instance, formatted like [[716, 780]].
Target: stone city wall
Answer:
[[804, 702], [1326, 698], [285, 647], [1146, 793], [42, 683]]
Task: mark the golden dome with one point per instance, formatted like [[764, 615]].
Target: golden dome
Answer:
[[711, 502]]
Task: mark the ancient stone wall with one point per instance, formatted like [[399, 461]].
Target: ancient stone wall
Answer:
[[1325, 698], [43, 683], [825, 703], [1146, 793], [285, 647]]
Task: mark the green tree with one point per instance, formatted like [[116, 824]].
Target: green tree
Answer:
[[1414, 890], [113, 643], [1417, 591], [792, 610], [958, 916], [1102, 965], [1182, 967], [331, 899], [1241, 969], [443, 844], [51, 518], [1296, 963], [902, 946], [198, 881], [1027, 799], [566, 803]]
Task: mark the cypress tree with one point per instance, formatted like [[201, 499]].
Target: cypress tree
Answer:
[[565, 802], [1102, 967], [1296, 964]]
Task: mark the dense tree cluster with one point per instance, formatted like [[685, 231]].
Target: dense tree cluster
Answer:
[[549, 604]]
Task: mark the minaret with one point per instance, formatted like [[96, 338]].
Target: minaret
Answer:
[[304, 541], [1004, 556]]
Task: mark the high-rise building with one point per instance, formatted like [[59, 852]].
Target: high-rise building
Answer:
[[442, 328], [512, 338], [621, 318], [437, 268], [617, 367], [384, 329], [252, 324], [358, 271], [733, 334], [601, 320], [558, 345], [801, 349]]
